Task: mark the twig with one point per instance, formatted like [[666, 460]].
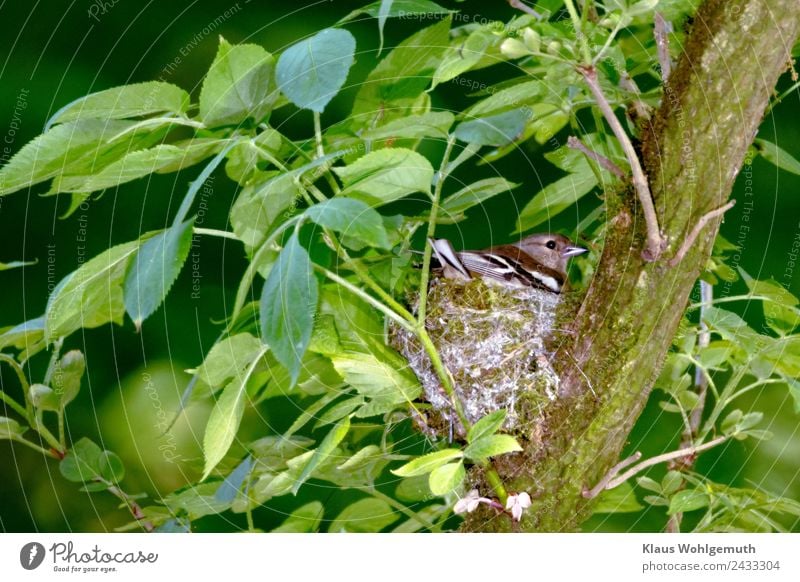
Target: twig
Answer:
[[655, 241], [663, 459], [613, 472], [520, 5], [641, 108], [576, 144], [660, 32], [703, 340], [689, 240]]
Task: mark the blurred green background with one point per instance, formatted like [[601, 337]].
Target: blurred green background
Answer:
[[55, 52]]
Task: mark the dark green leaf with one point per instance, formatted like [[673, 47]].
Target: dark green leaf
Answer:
[[620, 499], [491, 446], [154, 270], [496, 130], [288, 305], [687, 500], [239, 85], [365, 516], [401, 8], [775, 155], [82, 462], [323, 451], [311, 72], [91, 296], [110, 467], [514, 97], [431, 124], [304, 519], [486, 426], [386, 175], [126, 101], [352, 218], [464, 55]]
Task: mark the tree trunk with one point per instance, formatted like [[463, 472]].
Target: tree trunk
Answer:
[[713, 104]]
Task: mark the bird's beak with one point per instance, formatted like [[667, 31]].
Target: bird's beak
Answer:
[[572, 251]]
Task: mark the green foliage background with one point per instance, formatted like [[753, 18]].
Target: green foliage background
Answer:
[[54, 55]]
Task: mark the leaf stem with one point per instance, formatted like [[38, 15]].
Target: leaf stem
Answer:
[[577, 24], [26, 412], [318, 134], [37, 448]]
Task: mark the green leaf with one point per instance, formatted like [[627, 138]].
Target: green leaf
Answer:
[[154, 270], [304, 519], [431, 124], [496, 130], [74, 147], [687, 500], [486, 426], [386, 175], [446, 478], [232, 485], [514, 97], [401, 8], [780, 311], [194, 151], [90, 296], [110, 467], [776, 156], [555, 198], [311, 72], [671, 482], [620, 499], [225, 419], [462, 57], [491, 446], [365, 516], [239, 85], [23, 336], [476, 193], [380, 375], [427, 463], [67, 377], [339, 411], [288, 305], [392, 88], [82, 462], [352, 218], [10, 429], [16, 265], [123, 102], [323, 451], [229, 358]]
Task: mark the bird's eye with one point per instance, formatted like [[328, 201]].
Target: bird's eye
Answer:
[[551, 244]]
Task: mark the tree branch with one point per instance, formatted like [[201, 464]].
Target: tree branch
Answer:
[[701, 223], [576, 144]]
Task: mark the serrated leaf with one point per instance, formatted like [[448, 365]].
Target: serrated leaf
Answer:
[[464, 55], [338, 411], [427, 463], [364, 516], [90, 296], [522, 94], [311, 72], [444, 479], [386, 175], [486, 426], [239, 85], [495, 130], [304, 519], [431, 124], [223, 423], [228, 358], [323, 451], [491, 446], [351, 218], [154, 269], [136, 100], [555, 198], [777, 156], [687, 500], [476, 193], [288, 305], [620, 499]]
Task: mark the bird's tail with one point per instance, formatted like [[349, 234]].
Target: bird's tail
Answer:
[[448, 260]]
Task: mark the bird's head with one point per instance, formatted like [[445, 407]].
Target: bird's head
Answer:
[[551, 250]]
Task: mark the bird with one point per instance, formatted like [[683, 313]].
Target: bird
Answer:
[[538, 260]]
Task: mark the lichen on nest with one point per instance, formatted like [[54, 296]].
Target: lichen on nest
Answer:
[[491, 338]]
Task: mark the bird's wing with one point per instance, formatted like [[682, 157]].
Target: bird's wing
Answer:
[[511, 271], [448, 259]]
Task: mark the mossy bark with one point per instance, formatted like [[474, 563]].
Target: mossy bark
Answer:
[[713, 104]]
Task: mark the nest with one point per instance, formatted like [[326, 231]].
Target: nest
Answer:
[[492, 340]]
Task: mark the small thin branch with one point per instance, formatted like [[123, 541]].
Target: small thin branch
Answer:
[[576, 144], [613, 472], [663, 459], [700, 378], [689, 240], [133, 507], [520, 5], [640, 108], [318, 134], [655, 241], [660, 32]]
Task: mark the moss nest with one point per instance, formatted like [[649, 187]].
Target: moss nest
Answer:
[[492, 340]]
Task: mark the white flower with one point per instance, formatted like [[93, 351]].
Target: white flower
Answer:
[[518, 504], [470, 502]]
